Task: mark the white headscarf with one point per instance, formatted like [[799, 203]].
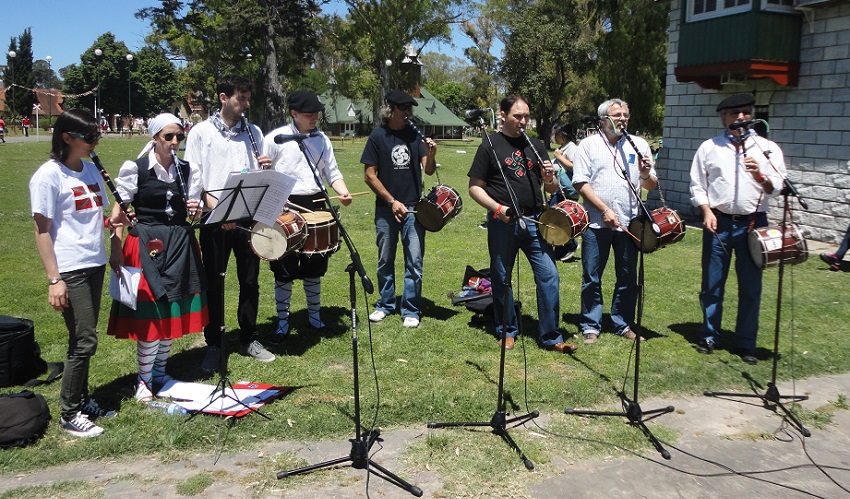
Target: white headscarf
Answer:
[[155, 125]]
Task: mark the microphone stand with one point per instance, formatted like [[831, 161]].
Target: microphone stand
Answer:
[[631, 407], [499, 421], [363, 440], [771, 398]]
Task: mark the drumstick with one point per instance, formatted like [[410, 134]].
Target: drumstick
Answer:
[[252, 232], [290, 203], [319, 200], [538, 222]]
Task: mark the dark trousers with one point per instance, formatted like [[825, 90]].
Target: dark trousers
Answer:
[[216, 246]]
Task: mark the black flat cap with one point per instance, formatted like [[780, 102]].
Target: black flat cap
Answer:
[[737, 100], [305, 102], [399, 97]]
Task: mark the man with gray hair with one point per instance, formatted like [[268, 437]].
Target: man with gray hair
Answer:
[[607, 172], [731, 181]]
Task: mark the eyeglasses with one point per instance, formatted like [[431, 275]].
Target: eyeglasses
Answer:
[[620, 115], [736, 112], [403, 107], [169, 136], [89, 139]]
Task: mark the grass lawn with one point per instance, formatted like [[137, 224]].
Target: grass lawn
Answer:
[[446, 370]]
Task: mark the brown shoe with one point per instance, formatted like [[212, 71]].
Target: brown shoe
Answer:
[[562, 347], [509, 343], [630, 335]]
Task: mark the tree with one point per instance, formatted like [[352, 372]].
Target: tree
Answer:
[[155, 78], [216, 37], [110, 70], [484, 81], [44, 75], [633, 58], [19, 76], [548, 57]]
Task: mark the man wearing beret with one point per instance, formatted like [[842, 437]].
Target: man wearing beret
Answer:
[[287, 157], [394, 158], [731, 181]]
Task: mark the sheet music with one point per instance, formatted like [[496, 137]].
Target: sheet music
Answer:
[[263, 194]]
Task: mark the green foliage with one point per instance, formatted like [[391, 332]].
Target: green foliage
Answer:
[[111, 69], [19, 75], [156, 83]]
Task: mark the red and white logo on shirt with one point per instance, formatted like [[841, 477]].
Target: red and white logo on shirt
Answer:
[[87, 197]]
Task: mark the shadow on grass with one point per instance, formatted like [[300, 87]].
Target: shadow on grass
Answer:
[[691, 331]]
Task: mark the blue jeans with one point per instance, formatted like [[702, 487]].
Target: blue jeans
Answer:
[[505, 241], [715, 269], [387, 231], [596, 246], [85, 288]]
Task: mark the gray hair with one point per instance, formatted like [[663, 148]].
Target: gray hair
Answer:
[[385, 112], [605, 106]]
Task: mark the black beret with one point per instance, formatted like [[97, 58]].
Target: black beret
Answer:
[[305, 102], [399, 97], [737, 100]]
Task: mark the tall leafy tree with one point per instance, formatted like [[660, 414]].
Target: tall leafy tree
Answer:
[[107, 73], [632, 59], [19, 101], [485, 81], [216, 37], [44, 75], [445, 77], [155, 79]]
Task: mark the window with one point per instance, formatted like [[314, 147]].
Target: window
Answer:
[[778, 5], [707, 9]]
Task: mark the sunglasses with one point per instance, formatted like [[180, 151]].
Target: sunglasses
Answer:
[[89, 139], [169, 136], [403, 107]]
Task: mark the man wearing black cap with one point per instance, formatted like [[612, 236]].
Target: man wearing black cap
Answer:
[[394, 158], [287, 157], [731, 181]]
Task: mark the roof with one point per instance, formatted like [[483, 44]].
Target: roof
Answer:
[[430, 112], [340, 109], [434, 113]]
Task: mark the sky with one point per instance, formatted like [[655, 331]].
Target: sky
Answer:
[[64, 29]]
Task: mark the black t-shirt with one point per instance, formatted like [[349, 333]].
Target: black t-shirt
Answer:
[[397, 154], [521, 169]]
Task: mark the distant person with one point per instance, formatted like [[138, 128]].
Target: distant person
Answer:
[[732, 190], [25, 124], [3, 130], [67, 198]]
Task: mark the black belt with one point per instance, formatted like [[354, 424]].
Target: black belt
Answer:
[[736, 218]]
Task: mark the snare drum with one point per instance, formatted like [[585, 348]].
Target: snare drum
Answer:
[[285, 236], [562, 222], [766, 245], [671, 225], [436, 209], [322, 234]]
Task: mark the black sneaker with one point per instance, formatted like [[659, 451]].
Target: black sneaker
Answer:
[[747, 356], [706, 347], [80, 426], [94, 411]]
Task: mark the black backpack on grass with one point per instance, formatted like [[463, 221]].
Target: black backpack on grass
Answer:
[[23, 419], [20, 357]]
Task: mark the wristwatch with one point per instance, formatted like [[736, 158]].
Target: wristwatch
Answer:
[[53, 281]]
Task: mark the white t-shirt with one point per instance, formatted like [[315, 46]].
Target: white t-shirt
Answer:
[[288, 158], [74, 202]]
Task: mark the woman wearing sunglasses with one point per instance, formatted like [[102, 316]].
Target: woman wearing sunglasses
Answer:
[[164, 192], [67, 198]]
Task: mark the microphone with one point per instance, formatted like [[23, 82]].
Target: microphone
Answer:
[[742, 124], [282, 139], [474, 113], [590, 119]]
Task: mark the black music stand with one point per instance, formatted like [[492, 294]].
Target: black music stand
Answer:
[[631, 407], [771, 398], [232, 207], [363, 440]]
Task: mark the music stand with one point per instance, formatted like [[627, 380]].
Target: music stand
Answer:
[[362, 443], [236, 206], [631, 407]]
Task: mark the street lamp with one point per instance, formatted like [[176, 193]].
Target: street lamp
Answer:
[[12, 55], [49, 91], [98, 53], [129, 58], [387, 65]]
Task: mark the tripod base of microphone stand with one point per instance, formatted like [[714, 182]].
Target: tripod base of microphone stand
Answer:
[[359, 459], [499, 423], [771, 399], [636, 416]]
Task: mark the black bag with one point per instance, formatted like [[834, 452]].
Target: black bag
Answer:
[[23, 419], [20, 357]]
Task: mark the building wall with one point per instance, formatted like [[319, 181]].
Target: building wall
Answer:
[[810, 122]]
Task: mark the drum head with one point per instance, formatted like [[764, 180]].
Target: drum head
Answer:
[[269, 243], [429, 215], [556, 228], [318, 217], [648, 240]]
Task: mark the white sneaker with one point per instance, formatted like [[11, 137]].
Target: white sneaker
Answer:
[[143, 392], [377, 316], [256, 350], [80, 426], [411, 322]]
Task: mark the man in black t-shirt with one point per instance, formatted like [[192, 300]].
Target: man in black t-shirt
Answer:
[[506, 178], [394, 158]]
